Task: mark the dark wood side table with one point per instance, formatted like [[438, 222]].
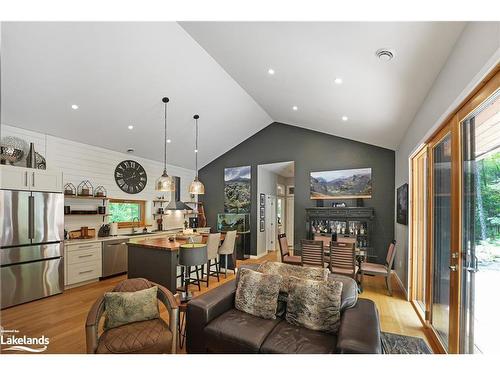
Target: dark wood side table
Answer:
[[182, 320]]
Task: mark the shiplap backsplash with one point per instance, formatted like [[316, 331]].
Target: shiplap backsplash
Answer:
[[80, 162]]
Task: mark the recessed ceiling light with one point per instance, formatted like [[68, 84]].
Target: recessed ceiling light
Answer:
[[130, 150], [295, 108], [169, 140], [385, 54], [195, 150], [130, 127], [345, 118], [270, 71], [338, 81], [74, 106]]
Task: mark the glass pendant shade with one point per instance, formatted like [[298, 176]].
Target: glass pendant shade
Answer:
[[165, 183], [196, 187]]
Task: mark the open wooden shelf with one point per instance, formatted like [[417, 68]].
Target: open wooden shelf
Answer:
[[87, 214], [85, 197]]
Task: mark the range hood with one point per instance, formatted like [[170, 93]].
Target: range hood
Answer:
[[175, 198]]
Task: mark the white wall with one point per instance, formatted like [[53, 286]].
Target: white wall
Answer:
[[475, 53], [80, 162]]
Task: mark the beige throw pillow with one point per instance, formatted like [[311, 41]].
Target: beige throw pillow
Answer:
[[127, 307], [288, 270], [314, 304], [257, 294]]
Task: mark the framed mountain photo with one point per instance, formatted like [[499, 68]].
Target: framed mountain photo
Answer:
[[341, 184], [402, 205], [237, 189]]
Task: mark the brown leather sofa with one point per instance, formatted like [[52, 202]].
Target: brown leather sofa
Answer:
[[147, 337], [215, 326]]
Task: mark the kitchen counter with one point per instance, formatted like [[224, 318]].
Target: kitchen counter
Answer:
[[162, 243], [122, 237]]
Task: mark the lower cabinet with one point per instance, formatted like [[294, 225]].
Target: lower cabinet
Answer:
[[83, 263]]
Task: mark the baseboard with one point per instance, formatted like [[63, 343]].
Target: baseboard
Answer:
[[400, 284]]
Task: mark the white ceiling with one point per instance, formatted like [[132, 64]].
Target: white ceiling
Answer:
[[118, 73], [285, 169], [379, 98]]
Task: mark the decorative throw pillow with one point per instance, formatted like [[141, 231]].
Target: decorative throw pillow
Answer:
[[257, 294], [127, 307], [314, 304], [288, 270]]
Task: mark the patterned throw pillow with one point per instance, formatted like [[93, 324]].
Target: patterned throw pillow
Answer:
[[257, 294], [314, 304], [288, 270], [127, 307]]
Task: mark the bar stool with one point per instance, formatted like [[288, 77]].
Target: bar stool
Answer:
[[227, 248], [191, 239], [191, 255], [213, 242]]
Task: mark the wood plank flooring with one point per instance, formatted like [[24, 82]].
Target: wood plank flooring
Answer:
[[62, 318]]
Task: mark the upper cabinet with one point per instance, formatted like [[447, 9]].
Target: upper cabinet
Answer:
[[18, 178]]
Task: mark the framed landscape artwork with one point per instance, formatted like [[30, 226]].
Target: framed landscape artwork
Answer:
[[402, 205], [341, 184], [237, 189]]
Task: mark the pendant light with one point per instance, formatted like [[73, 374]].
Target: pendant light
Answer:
[[196, 187], [165, 182]]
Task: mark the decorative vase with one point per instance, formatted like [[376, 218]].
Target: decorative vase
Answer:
[[31, 157]]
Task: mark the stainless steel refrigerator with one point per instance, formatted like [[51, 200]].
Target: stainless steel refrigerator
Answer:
[[31, 245]]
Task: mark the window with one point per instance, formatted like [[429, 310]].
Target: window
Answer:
[[126, 212]]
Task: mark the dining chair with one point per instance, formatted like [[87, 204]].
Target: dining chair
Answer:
[[227, 248], [312, 253], [375, 269], [213, 241], [343, 259], [285, 253]]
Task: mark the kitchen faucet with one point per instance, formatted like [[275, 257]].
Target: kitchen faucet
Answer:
[[138, 222]]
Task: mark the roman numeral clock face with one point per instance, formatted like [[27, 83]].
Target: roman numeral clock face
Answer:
[[130, 176]]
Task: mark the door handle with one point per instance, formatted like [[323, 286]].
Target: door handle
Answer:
[[31, 217], [33, 179], [26, 178]]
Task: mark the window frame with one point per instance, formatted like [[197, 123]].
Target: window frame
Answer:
[[142, 208]]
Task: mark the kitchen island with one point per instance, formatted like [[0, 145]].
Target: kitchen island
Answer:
[[156, 259]]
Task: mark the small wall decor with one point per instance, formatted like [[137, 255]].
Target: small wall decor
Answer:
[[130, 176], [402, 205], [100, 191], [69, 189], [85, 189], [40, 162], [237, 189], [341, 184]]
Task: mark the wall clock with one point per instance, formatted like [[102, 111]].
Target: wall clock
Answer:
[[130, 177]]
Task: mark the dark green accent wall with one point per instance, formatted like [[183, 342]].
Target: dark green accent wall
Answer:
[[311, 151]]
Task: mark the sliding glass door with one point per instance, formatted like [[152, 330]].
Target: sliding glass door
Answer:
[[480, 227]]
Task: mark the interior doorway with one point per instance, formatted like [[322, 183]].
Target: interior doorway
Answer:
[[275, 188]]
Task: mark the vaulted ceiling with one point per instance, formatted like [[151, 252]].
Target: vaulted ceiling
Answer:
[[117, 74]]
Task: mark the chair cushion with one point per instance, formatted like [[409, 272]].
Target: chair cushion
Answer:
[[292, 259], [257, 293], [127, 307], [149, 336], [314, 304], [344, 271], [373, 268], [237, 332], [287, 338]]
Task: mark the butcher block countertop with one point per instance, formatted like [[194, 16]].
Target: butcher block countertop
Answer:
[[163, 243]]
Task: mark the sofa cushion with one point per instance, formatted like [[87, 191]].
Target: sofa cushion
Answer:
[[349, 295], [127, 307], [149, 336], [237, 332], [257, 293], [314, 304], [288, 270], [287, 338]]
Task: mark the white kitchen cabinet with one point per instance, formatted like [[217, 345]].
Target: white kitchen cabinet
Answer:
[[19, 178], [83, 262]]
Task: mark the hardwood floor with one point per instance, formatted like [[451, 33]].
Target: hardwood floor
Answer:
[[62, 318]]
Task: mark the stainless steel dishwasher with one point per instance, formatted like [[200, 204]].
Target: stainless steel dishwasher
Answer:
[[114, 257]]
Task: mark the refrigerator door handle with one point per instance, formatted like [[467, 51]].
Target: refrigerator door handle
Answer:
[[31, 217]]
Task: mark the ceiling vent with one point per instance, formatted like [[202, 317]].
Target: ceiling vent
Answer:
[[385, 54]]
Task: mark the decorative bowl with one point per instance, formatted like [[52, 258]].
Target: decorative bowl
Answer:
[[11, 154]]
